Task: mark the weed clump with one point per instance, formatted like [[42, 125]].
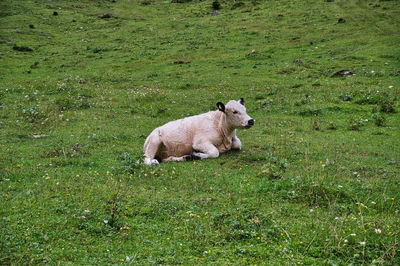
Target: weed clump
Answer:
[[370, 98], [106, 15], [74, 150], [216, 5], [22, 48], [347, 97], [76, 103], [386, 107], [128, 163], [31, 113], [305, 100], [34, 65], [320, 195], [342, 73], [316, 124], [309, 111], [237, 5], [379, 119], [355, 124], [332, 126], [275, 167], [266, 103]]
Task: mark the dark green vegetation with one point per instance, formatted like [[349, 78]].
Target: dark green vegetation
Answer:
[[317, 180]]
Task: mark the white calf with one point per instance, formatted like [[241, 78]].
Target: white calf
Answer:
[[198, 137]]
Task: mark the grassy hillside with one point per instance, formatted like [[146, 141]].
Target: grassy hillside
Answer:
[[82, 83]]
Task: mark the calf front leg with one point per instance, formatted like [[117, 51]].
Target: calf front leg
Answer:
[[236, 143], [205, 150]]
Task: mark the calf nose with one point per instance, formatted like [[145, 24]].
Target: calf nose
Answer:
[[250, 122]]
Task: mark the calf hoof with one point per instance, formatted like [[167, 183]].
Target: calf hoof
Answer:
[[188, 158], [191, 157], [195, 157], [150, 161]]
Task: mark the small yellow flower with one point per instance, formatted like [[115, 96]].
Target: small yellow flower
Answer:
[[392, 198], [108, 250], [258, 237]]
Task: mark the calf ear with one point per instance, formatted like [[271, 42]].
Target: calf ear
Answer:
[[221, 106], [241, 101]]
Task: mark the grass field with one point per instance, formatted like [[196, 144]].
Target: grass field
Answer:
[[82, 83]]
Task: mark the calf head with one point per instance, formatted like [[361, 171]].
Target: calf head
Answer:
[[236, 115]]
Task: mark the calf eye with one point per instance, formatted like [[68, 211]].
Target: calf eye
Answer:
[[235, 112]]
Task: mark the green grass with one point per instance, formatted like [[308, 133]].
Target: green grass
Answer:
[[318, 174]]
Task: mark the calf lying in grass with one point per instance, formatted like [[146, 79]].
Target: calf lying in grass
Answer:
[[198, 137]]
